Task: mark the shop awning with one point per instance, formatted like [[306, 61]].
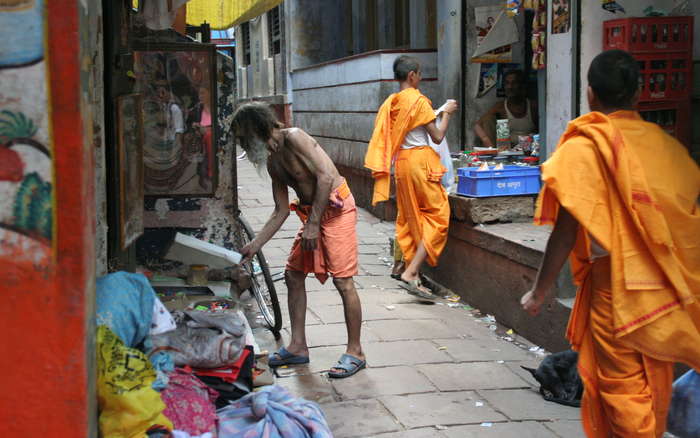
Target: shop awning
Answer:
[[223, 14]]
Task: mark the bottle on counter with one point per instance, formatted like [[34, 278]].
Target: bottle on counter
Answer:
[[535, 147]]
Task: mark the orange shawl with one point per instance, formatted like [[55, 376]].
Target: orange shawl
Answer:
[[634, 189], [400, 113]]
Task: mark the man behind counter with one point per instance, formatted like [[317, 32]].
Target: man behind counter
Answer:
[[520, 111]]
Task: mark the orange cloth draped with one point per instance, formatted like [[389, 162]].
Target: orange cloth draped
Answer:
[[336, 248], [400, 113], [634, 189], [423, 208]]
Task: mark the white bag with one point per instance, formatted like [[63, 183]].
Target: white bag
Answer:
[[448, 179]]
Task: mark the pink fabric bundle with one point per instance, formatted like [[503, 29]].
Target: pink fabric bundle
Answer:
[[190, 403]]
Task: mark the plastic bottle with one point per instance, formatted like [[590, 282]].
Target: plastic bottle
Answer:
[[535, 145]]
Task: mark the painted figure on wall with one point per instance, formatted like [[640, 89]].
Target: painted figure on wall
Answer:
[[26, 169], [179, 150]]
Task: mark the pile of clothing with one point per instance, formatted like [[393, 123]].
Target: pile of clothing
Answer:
[[186, 374]]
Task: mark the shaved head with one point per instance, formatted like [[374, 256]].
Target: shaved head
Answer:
[[614, 78]]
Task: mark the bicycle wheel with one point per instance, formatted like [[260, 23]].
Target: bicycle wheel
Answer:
[[263, 288]]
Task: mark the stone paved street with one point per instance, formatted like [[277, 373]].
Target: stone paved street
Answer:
[[435, 371]]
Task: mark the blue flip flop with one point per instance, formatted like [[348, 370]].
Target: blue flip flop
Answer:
[[284, 357], [350, 364]]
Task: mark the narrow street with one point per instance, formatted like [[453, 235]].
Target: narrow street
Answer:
[[433, 371]]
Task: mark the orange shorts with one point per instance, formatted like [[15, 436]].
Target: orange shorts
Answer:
[[336, 251]]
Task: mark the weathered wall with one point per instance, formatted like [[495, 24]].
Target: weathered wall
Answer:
[[449, 65], [318, 31], [337, 103], [96, 90], [561, 88], [47, 130]]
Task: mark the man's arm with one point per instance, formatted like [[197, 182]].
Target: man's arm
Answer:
[[487, 120], [281, 212], [323, 169], [437, 133], [559, 246]]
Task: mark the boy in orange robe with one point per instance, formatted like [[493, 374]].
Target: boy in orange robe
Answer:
[[400, 138], [623, 197]]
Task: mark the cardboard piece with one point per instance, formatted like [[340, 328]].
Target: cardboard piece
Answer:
[[503, 33], [192, 251]]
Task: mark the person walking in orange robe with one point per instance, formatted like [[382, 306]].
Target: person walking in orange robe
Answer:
[[623, 197], [400, 139]]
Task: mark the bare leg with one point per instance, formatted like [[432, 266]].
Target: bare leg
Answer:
[[296, 299], [353, 316], [413, 269]]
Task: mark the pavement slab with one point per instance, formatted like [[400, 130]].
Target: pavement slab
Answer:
[[566, 428], [467, 350], [359, 418], [527, 404], [398, 330], [469, 376], [335, 334], [314, 387], [526, 429], [377, 281], [370, 312], [382, 354], [421, 410], [321, 359], [423, 432], [376, 382]]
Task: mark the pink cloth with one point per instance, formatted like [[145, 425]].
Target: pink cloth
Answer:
[[190, 403]]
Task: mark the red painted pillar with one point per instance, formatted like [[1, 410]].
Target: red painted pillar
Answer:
[[46, 227]]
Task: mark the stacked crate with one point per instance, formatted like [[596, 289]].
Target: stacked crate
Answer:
[[663, 47]]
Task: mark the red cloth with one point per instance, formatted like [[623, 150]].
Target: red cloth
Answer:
[[227, 374]]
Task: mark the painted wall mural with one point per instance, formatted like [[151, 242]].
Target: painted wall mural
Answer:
[[26, 168], [178, 85]]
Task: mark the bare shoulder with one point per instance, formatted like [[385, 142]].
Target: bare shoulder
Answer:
[[297, 138], [298, 134]]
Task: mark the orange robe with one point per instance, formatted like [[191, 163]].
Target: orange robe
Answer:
[[634, 189], [423, 208], [336, 249]]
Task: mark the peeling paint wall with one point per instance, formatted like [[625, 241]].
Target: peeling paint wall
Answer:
[[94, 59], [48, 285]]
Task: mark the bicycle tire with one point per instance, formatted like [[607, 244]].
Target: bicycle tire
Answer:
[[273, 317]]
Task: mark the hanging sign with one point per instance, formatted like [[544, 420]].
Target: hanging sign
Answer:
[[612, 6]]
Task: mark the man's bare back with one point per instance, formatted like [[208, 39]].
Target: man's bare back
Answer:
[[289, 166]]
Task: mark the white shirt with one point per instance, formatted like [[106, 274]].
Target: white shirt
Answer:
[[416, 138]]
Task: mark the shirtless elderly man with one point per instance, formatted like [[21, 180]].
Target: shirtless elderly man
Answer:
[[327, 241]]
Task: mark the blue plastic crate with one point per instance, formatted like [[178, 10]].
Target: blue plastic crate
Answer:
[[511, 181]]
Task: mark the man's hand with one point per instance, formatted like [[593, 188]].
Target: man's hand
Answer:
[[309, 236], [450, 106], [248, 252], [532, 302]]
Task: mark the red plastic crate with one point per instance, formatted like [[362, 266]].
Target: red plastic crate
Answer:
[[649, 34], [664, 77], [672, 117]]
